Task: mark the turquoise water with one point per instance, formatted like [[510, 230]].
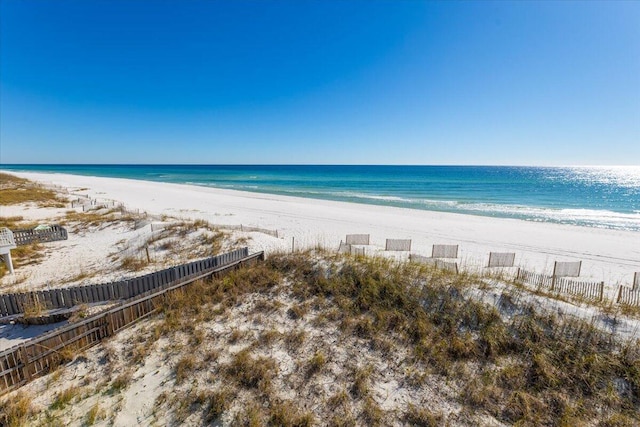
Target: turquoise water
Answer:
[[604, 197]]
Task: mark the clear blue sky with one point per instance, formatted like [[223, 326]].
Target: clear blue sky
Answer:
[[345, 82]]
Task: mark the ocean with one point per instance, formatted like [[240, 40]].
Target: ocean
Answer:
[[602, 197]]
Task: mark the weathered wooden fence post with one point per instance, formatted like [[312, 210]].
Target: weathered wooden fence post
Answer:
[[601, 291], [24, 359]]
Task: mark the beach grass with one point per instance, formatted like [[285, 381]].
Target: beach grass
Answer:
[[530, 368], [97, 218], [16, 222], [14, 190], [15, 412], [30, 254]]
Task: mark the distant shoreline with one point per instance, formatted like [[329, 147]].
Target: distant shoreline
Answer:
[[609, 255], [598, 197]]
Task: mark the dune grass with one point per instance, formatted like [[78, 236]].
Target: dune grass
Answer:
[[16, 222], [532, 368], [529, 369], [15, 412], [98, 218], [33, 253], [14, 191]]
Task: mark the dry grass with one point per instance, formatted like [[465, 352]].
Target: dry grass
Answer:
[[252, 372], [183, 241], [132, 263], [14, 191], [121, 382], [16, 222], [82, 275], [627, 310], [98, 218], [95, 413], [315, 363], [184, 368], [423, 417], [294, 339], [217, 402], [360, 385], [32, 307], [67, 353], [381, 322], [371, 412], [15, 411], [551, 360], [31, 254], [65, 397], [531, 369], [286, 414], [81, 312], [208, 239]]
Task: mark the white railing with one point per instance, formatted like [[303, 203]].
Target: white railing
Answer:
[[6, 238]]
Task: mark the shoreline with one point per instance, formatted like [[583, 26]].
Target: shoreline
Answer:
[[608, 255], [493, 191]]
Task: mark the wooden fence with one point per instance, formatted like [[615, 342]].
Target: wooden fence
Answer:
[[535, 279], [357, 239], [36, 357], [438, 263], [567, 269], [398, 245], [247, 228], [347, 248], [591, 290], [11, 304], [32, 235], [501, 259], [628, 296], [444, 251], [93, 204], [241, 227], [344, 248]]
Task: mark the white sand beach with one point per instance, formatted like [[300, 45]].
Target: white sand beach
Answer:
[[611, 256]]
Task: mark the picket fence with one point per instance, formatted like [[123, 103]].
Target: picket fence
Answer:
[[451, 266], [11, 304], [248, 228], [358, 239], [591, 290], [32, 235], [161, 226], [347, 248], [560, 282], [398, 245], [628, 296], [444, 251], [38, 356]]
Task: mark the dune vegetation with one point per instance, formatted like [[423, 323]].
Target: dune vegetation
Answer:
[[15, 190], [320, 339]]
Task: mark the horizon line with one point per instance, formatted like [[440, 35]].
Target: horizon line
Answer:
[[317, 164]]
